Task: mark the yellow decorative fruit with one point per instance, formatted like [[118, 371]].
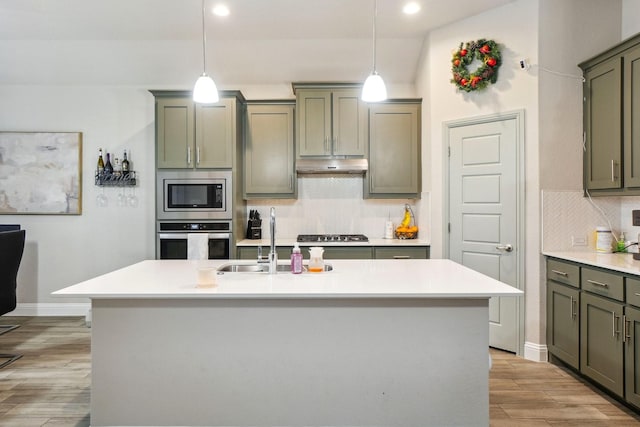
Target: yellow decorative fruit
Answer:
[[407, 217]]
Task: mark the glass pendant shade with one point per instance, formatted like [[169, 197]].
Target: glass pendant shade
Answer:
[[374, 89], [205, 90]]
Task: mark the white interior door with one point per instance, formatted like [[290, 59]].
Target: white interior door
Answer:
[[483, 213]]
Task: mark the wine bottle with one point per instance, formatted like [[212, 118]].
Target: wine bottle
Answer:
[[100, 163], [117, 168], [125, 165], [108, 168]]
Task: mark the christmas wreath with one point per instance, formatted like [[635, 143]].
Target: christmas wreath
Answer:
[[488, 53]]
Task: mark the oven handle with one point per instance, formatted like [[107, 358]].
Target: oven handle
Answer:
[[182, 236]]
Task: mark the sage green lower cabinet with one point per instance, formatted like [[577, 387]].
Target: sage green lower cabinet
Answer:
[[251, 252], [601, 346], [330, 252], [593, 324], [632, 355], [341, 252], [563, 323], [405, 252]]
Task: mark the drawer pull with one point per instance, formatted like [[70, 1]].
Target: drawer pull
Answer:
[[637, 294], [401, 257], [593, 282], [561, 273]]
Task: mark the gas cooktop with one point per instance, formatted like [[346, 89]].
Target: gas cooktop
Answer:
[[335, 238]]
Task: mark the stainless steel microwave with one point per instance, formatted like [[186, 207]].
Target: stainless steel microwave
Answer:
[[189, 195]]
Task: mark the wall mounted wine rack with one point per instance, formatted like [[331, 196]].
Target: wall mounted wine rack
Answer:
[[113, 180]]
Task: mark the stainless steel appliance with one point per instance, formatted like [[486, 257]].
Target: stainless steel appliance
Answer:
[[332, 238], [193, 195], [173, 238]]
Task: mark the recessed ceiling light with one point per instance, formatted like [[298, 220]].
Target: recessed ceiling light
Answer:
[[221, 10], [411, 8]]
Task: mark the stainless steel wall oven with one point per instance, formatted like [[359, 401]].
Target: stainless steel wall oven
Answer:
[[173, 238]]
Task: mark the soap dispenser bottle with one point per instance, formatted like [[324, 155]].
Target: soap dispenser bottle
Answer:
[[296, 260]]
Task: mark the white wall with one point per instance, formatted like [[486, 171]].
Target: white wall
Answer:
[[554, 37], [630, 21], [62, 250], [514, 27]]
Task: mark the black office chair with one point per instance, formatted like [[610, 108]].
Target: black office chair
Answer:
[[11, 249]]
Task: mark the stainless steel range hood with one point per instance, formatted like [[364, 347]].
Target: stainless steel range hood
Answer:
[[314, 166]]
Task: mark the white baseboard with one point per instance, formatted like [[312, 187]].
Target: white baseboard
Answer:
[[535, 352], [48, 309]]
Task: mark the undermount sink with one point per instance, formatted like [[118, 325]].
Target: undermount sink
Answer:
[[232, 267]]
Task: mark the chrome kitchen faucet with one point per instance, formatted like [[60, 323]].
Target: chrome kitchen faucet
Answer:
[[272, 259], [273, 255]]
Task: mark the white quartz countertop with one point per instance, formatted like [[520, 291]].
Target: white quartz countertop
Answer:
[[372, 242], [349, 279], [621, 262]]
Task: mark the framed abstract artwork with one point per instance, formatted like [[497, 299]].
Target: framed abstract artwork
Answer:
[[41, 173]]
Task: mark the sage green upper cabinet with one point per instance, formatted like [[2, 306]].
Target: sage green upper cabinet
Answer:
[[269, 150], [611, 120], [194, 136], [394, 150], [603, 110], [631, 107], [174, 131], [331, 121]]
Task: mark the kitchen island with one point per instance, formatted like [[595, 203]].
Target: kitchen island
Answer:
[[372, 342]]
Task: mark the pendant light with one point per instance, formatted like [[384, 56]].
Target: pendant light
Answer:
[[205, 90], [374, 89]]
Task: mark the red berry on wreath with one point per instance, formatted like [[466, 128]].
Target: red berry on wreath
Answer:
[[463, 82], [463, 52], [491, 62], [456, 62], [485, 49]]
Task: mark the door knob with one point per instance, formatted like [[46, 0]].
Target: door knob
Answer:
[[505, 248]]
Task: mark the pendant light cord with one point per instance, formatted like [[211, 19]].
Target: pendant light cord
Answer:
[[375, 13], [204, 43]]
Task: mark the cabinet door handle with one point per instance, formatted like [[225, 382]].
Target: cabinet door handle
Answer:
[[626, 327], [561, 273], [616, 331], [335, 145], [326, 144], [197, 155], [604, 285], [613, 171], [637, 294], [290, 182], [574, 311], [188, 155]]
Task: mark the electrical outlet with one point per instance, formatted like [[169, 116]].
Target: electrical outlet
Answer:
[[578, 240]]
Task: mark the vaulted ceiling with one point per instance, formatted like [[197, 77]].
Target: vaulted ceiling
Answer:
[[260, 42]]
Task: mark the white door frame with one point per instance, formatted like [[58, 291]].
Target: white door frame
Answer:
[[518, 115]]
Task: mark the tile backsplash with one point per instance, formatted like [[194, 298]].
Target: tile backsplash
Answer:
[[334, 204], [569, 215]]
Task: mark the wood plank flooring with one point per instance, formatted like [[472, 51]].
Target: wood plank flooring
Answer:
[[50, 384]]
